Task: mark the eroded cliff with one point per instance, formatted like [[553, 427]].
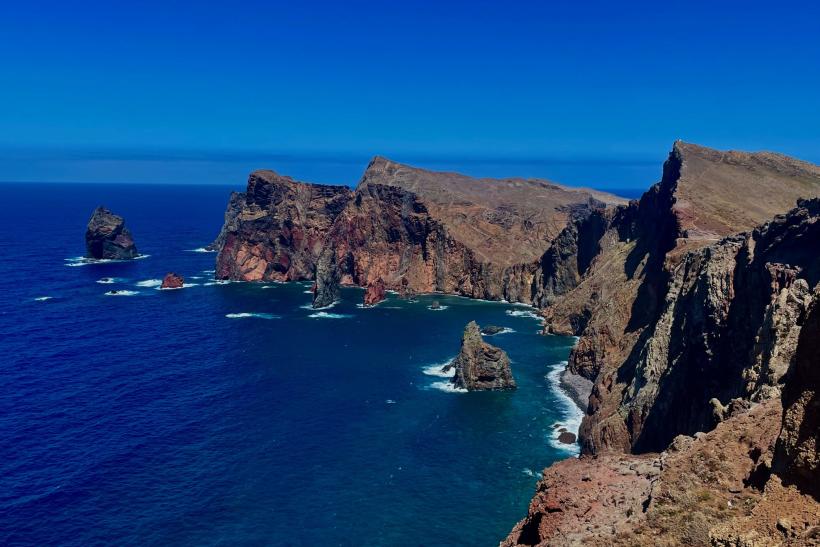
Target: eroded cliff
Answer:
[[416, 230], [691, 319]]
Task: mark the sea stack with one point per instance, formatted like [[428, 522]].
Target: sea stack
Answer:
[[172, 281], [374, 293], [479, 365], [107, 237]]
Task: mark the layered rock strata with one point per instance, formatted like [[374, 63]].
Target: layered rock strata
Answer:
[[106, 237], [416, 230]]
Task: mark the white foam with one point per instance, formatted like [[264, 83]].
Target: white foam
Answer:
[[440, 308], [571, 415], [524, 313], [184, 286], [244, 315], [195, 277], [149, 283], [390, 402], [110, 280], [505, 330], [217, 282], [435, 369], [308, 292], [449, 387], [201, 250], [43, 298], [209, 271], [325, 315], [529, 472], [121, 293], [268, 286], [85, 261]]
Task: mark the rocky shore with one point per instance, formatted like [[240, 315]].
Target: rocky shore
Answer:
[[576, 387], [695, 309]]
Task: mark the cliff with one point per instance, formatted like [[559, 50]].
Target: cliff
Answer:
[[416, 230], [691, 305], [276, 229]]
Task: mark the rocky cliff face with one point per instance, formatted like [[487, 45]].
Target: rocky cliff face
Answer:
[[106, 237], [691, 319], [275, 231], [416, 230], [480, 366]]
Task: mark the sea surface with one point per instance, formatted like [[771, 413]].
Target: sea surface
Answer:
[[232, 413]]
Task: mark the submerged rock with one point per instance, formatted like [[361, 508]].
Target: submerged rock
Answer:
[[490, 330], [479, 365], [172, 281], [435, 305], [107, 237], [374, 293]]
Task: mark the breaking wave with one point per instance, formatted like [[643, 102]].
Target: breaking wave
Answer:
[[326, 315], [435, 369], [149, 283], [244, 315], [571, 415], [85, 261], [121, 293]]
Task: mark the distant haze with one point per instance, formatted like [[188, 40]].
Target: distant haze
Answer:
[[233, 168]]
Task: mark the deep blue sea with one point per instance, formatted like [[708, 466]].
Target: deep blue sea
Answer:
[[232, 414]]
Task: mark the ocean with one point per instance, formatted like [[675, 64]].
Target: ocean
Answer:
[[232, 413]]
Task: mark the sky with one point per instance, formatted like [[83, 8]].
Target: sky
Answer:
[[582, 92]]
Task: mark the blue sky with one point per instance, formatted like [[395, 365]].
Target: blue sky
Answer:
[[189, 92]]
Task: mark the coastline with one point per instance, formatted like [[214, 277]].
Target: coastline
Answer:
[[576, 387]]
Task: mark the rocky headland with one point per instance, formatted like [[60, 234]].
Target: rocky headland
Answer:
[[106, 237], [695, 307], [418, 231], [480, 366]]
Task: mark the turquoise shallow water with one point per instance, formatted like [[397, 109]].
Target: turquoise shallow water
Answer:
[[232, 413]]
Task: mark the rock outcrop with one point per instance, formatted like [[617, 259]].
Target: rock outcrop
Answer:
[[172, 281], [691, 305], [797, 458], [374, 293], [106, 237], [480, 366], [416, 230]]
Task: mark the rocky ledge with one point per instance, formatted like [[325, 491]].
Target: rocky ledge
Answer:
[[106, 237], [480, 366]]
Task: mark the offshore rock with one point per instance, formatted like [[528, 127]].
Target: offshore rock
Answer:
[[106, 237], [172, 281], [480, 366], [374, 293], [490, 330]]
